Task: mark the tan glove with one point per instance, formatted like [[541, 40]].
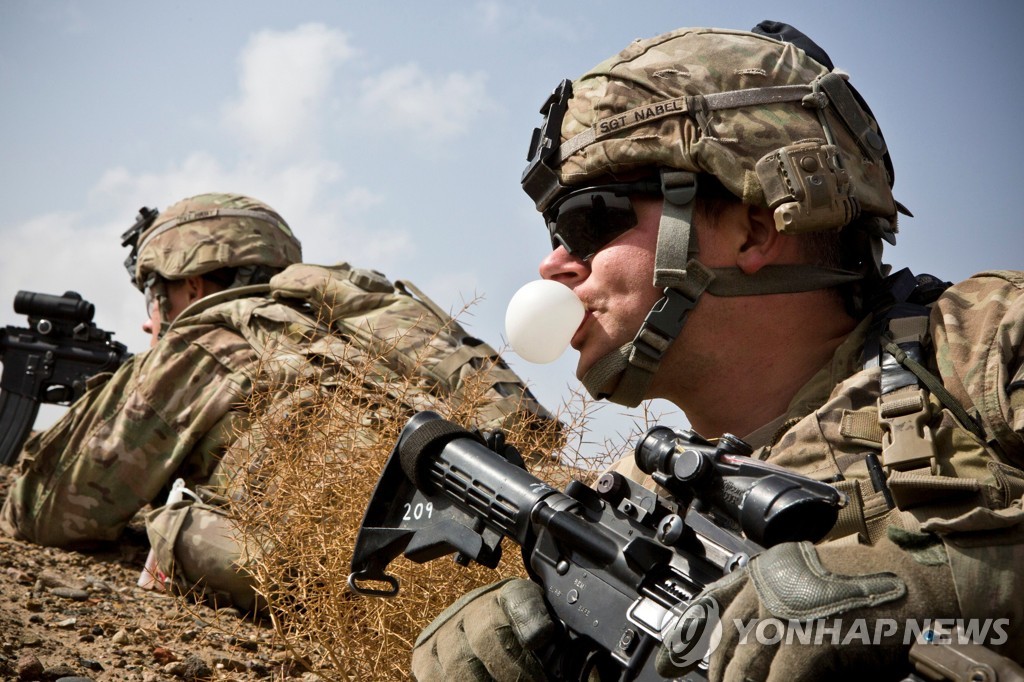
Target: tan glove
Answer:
[[835, 612], [488, 634]]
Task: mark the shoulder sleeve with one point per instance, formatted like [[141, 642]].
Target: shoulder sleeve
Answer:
[[978, 330]]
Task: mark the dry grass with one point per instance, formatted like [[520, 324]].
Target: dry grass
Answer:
[[308, 466]]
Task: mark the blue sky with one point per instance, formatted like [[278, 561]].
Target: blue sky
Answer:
[[393, 135]]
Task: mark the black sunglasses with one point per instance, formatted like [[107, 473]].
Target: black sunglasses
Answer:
[[587, 219]]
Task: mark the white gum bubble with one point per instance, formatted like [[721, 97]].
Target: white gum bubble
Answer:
[[541, 319]]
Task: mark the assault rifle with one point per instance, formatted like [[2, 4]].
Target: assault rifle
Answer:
[[49, 362], [618, 563]]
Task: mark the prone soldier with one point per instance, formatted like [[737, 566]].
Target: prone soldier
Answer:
[[230, 309]]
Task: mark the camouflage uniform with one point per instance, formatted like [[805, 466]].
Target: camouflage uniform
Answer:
[[973, 499], [177, 409], [769, 118]]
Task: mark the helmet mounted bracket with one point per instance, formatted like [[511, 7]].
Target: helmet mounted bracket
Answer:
[[131, 238], [540, 180]]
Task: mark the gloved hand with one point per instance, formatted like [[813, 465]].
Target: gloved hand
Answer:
[[488, 634], [833, 612]]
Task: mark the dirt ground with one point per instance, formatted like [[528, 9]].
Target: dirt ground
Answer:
[[75, 616]]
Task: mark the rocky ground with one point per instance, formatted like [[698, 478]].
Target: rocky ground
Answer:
[[80, 616]]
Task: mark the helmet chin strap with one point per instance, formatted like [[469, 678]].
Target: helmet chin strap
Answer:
[[624, 375], [157, 285]]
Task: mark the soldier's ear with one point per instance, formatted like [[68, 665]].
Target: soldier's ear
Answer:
[[196, 288], [762, 244]]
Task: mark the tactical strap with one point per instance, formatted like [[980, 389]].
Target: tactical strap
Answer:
[[637, 361], [907, 441], [701, 104], [624, 375], [777, 279], [410, 289], [603, 378], [905, 409], [934, 385], [851, 114], [677, 245], [862, 425], [193, 216], [915, 489], [867, 515], [851, 517], [449, 368]]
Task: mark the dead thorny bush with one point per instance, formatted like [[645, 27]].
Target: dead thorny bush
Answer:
[[310, 461]]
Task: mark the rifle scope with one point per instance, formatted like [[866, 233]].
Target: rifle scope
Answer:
[[70, 307], [771, 504]]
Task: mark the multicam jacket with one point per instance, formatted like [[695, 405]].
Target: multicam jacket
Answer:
[[174, 410], [969, 490]]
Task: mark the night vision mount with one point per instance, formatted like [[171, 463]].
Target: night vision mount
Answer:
[[131, 237], [540, 180]]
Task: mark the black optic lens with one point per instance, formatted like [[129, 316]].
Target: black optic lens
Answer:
[[587, 220], [585, 223]]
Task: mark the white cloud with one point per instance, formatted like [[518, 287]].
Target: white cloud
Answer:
[[197, 172], [283, 96], [428, 109], [306, 193], [285, 81], [80, 250], [300, 185]]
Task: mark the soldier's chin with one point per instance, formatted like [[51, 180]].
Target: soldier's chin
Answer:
[[584, 363]]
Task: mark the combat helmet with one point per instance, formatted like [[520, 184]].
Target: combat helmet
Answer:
[[207, 233], [775, 126]]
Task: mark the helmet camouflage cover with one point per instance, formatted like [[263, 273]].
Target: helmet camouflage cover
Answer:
[[774, 126], [209, 232]]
